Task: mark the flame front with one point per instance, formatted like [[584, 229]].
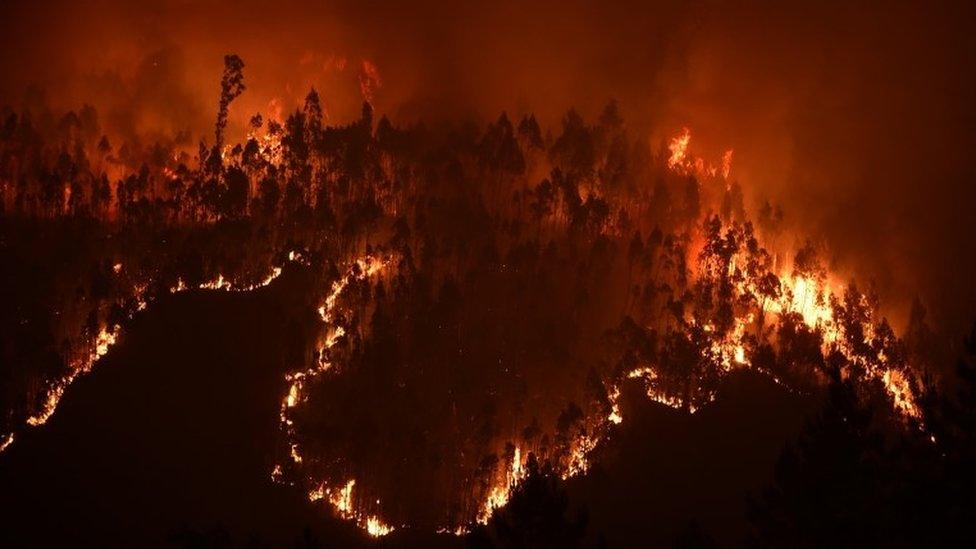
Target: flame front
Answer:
[[341, 499]]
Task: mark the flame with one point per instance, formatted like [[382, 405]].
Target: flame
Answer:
[[376, 527], [105, 339], [269, 142], [682, 162], [809, 297], [740, 354], [614, 416], [369, 80], [501, 492], [727, 164], [457, 531], [7, 441], [66, 202], [810, 300], [335, 63], [340, 499], [649, 375], [679, 148], [367, 266], [221, 283], [897, 386], [275, 109], [578, 462]]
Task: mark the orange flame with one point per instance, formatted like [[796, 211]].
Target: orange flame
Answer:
[[369, 80]]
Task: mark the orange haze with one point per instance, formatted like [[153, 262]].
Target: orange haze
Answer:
[[859, 120]]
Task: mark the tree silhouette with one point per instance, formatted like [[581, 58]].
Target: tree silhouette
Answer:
[[231, 86]]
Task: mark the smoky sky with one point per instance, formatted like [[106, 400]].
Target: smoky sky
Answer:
[[857, 117]]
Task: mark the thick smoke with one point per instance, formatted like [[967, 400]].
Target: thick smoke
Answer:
[[857, 119]]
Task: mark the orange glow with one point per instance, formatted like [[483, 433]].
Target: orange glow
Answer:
[[103, 341], [7, 441], [369, 80], [681, 161], [341, 499], [804, 295], [501, 491], [727, 164], [679, 148]]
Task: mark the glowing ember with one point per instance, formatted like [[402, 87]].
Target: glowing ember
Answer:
[[615, 416], [7, 441], [458, 531]]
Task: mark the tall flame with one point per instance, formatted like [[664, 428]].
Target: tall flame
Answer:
[[679, 148]]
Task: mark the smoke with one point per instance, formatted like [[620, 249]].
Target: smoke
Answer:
[[858, 119]]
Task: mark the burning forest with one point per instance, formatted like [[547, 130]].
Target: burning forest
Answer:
[[471, 315]]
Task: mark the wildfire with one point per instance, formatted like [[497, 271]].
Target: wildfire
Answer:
[[7, 441], [897, 386], [727, 346], [727, 164], [614, 416], [679, 148], [268, 137], [810, 297], [366, 267], [221, 283], [649, 376], [362, 268], [369, 80], [457, 531], [341, 499], [679, 159], [105, 339], [501, 492], [579, 455]]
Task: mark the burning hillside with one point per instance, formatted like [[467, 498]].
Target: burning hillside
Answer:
[[483, 294], [476, 298]]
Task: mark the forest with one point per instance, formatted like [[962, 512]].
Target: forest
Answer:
[[475, 300]]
